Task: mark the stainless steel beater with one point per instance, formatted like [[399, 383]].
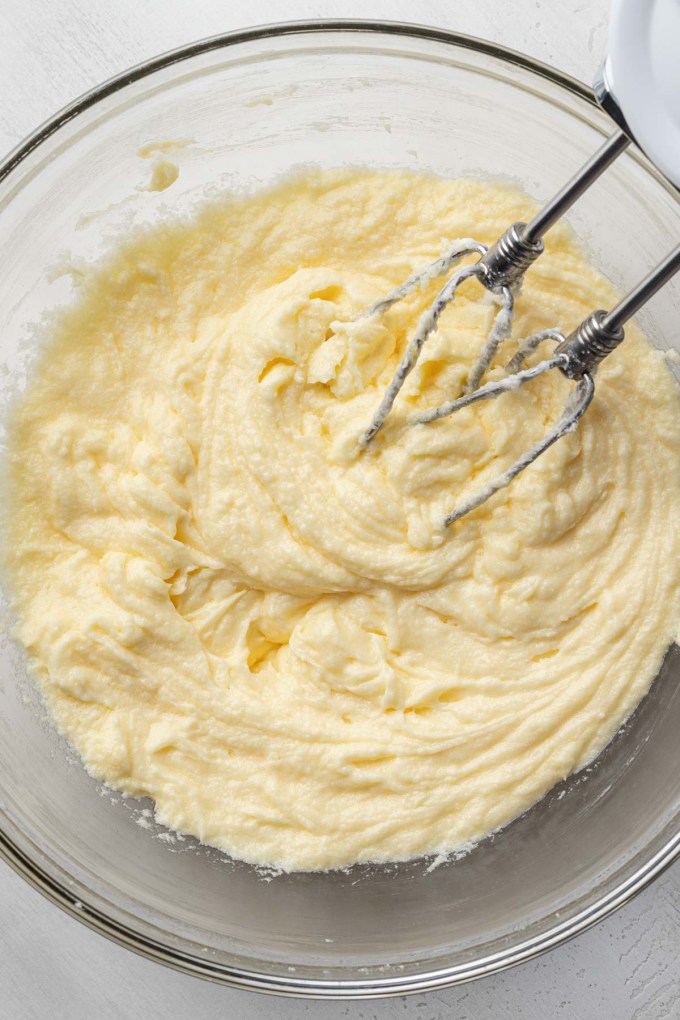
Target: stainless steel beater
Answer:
[[500, 269]]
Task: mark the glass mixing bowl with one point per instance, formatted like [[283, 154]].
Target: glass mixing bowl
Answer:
[[254, 105]]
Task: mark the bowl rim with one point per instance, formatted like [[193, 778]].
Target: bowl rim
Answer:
[[259, 980]]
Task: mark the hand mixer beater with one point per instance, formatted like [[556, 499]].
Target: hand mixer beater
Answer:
[[500, 267]]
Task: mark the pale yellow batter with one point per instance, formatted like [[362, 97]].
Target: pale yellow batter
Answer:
[[235, 613]]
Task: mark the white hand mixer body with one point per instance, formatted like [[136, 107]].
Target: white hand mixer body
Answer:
[[639, 86], [639, 82]]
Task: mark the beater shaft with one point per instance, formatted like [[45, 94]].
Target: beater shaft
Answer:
[[646, 289], [555, 209], [601, 332], [517, 249]]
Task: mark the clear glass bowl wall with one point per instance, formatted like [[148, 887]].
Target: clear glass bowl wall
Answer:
[[256, 106]]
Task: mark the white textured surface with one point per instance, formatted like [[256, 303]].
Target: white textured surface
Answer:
[[628, 967]]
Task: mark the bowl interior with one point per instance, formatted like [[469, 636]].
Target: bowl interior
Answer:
[[243, 112]]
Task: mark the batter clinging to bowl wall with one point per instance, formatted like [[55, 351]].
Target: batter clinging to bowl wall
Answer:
[[234, 610]]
